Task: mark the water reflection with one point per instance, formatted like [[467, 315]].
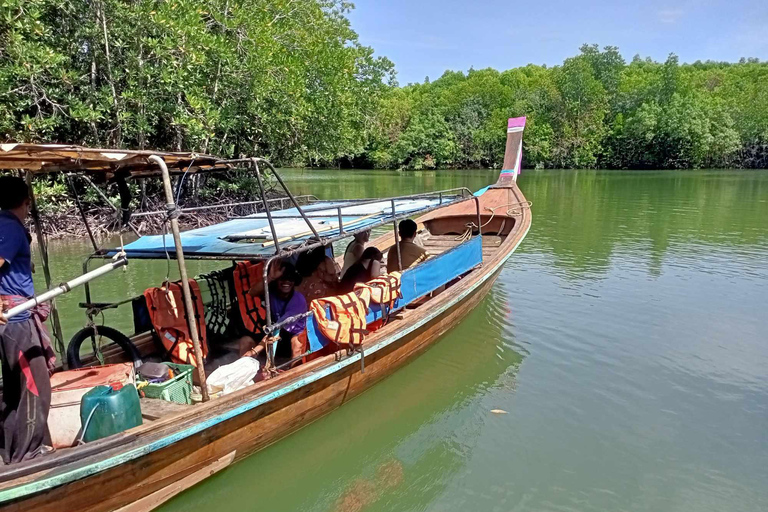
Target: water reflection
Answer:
[[403, 438], [583, 218], [637, 303]]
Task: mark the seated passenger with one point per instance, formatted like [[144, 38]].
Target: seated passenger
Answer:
[[285, 302], [248, 345], [354, 250], [366, 268], [319, 273], [410, 253]]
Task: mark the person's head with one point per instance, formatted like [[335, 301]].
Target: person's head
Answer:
[[309, 261], [407, 229], [14, 196], [371, 254], [289, 279], [363, 237]]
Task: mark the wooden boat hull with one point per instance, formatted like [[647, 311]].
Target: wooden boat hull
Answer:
[[180, 451]]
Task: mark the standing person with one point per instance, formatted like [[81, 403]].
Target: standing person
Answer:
[[410, 253], [355, 249], [25, 348], [367, 267]]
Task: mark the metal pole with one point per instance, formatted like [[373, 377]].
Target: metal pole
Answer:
[[82, 212], [109, 203], [288, 193], [55, 321], [188, 306], [65, 287], [479, 218], [341, 222], [86, 286], [397, 238], [270, 355], [266, 209]]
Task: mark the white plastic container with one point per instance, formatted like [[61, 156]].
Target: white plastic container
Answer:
[[68, 388]]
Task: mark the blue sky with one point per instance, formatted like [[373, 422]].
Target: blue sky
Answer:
[[426, 37]]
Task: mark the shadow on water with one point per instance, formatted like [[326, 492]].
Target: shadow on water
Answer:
[[403, 438]]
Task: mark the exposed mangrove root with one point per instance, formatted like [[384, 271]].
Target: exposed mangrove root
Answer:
[[105, 222]]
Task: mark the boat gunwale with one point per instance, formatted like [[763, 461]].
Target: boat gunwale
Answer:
[[163, 433]]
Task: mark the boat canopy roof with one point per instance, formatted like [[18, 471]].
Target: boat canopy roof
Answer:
[[52, 158], [250, 237]]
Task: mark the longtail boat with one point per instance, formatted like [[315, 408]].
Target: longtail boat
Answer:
[[469, 235]]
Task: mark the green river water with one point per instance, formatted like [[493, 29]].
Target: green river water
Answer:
[[626, 339]]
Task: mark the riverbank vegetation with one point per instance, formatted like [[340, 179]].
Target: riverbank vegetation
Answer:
[[288, 79], [595, 110]]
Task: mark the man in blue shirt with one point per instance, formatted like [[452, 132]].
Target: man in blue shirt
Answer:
[[24, 345]]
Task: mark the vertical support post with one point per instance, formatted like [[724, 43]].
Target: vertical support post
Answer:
[[55, 321], [188, 306], [441, 197], [290, 196], [479, 218], [266, 207], [109, 203], [397, 238], [341, 222], [82, 212], [87, 286], [265, 277]]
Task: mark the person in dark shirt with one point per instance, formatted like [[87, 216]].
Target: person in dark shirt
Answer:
[[27, 356], [285, 302], [366, 268]]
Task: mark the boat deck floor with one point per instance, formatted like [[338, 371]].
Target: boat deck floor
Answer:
[[152, 409], [438, 244]]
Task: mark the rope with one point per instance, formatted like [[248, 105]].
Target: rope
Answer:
[[511, 212]]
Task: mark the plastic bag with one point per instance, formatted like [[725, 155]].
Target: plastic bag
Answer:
[[231, 377]]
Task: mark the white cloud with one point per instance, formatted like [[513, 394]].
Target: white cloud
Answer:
[[669, 15]]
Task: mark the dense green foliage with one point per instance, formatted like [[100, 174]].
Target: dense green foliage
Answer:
[[282, 78], [593, 111], [288, 79]]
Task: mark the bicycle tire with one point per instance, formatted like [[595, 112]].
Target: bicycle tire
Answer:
[[73, 350]]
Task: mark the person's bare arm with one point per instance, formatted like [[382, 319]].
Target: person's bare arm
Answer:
[[375, 269], [275, 271], [357, 251]]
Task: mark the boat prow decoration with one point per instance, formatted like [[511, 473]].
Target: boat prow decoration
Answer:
[[513, 152]]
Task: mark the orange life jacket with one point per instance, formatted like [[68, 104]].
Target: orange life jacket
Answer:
[[252, 311], [169, 318], [385, 290], [347, 323]]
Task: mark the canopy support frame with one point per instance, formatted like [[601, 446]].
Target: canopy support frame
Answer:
[[188, 305]]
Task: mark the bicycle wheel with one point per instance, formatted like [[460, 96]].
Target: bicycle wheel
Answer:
[[73, 350]]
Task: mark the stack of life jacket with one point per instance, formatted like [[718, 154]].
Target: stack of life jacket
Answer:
[[169, 318], [253, 314], [385, 290], [346, 325]]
